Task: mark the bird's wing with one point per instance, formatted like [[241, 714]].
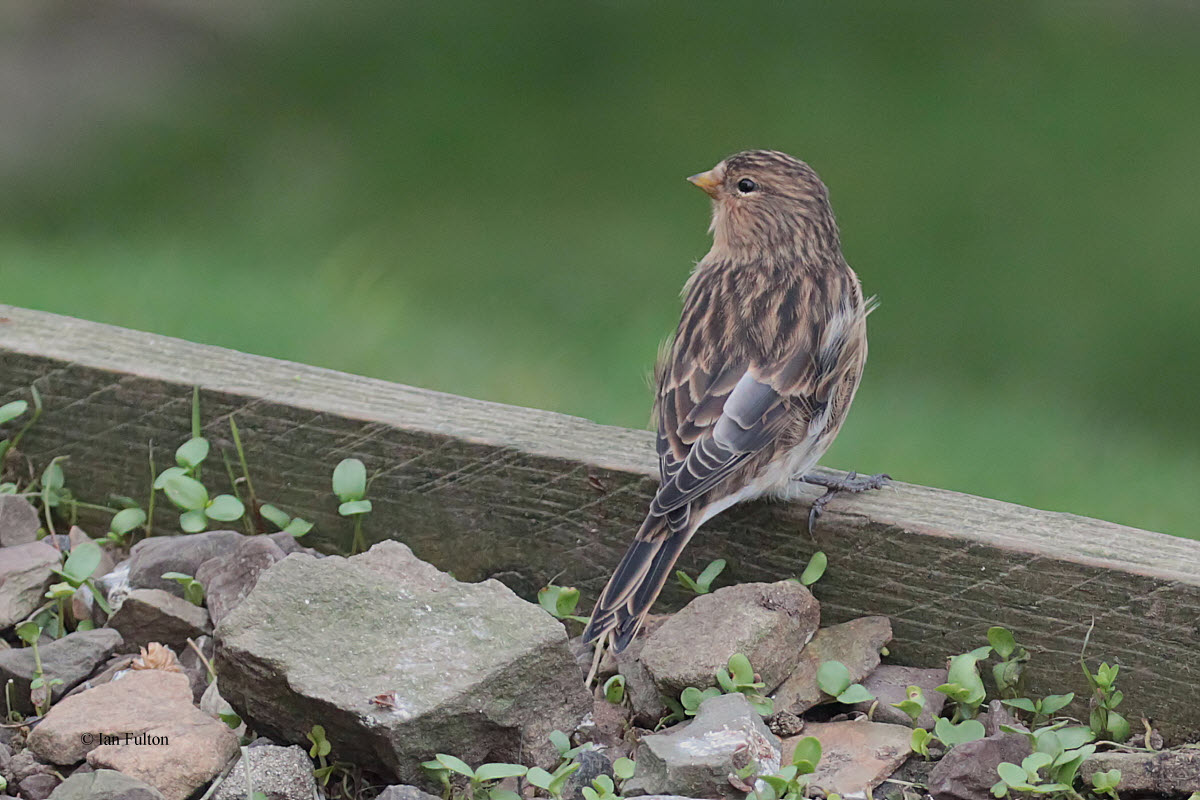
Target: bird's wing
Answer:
[[717, 412]]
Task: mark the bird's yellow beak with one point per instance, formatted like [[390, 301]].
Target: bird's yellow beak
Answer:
[[708, 181]]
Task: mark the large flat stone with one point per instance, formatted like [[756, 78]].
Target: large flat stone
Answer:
[[143, 725], [398, 661], [768, 622], [70, 659]]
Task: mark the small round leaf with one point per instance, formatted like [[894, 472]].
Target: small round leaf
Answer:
[[225, 508], [192, 521], [350, 480], [126, 520], [10, 411], [187, 493], [192, 452], [352, 507]]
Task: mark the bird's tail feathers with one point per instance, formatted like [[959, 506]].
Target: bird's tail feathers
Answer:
[[637, 581]]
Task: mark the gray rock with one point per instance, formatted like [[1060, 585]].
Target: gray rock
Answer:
[[592, 764], [398, 661], [228, 578], [290, 544], [71, 659], [645, 700], [996, 717], [768, 622], [23, 764], [281, 773], [1167, 772], [37, 787], [25, 572], [104, 784], [150, 558], [401, 792], [889, 684], [968, 771], [855, 643], [152, 615], [18, 521], [697, 758]]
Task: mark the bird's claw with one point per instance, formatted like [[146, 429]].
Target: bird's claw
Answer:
[[851, 482]]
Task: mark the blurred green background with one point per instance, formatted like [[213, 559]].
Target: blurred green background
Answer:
[[488, 199]]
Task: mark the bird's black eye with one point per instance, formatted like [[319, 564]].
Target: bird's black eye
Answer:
[[746, 186]]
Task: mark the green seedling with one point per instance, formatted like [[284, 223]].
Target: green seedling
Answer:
[[189, 495], [193, 590], [703, 582], [791, 782], [350, 486], [1106, 783], [952, 734], [1010, 672], [614, 689], [1105, 721], [123, 523], [833, 678], [294, 525], [1058, 752], [602, 788], [624, 768], [41, 688], [78, 570], [552, 783], [560, 602], [920, 741], [963, 684], [1042, 709], [320, 750], [913, 703], [691, 698], [54, 492], [15, 410], [482, 780], [562, 743], [815, 569], [738, 677]]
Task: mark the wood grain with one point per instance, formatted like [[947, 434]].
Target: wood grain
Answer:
[[483, 489]]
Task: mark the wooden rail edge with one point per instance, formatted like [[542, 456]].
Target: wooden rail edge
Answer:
[[526, 496]]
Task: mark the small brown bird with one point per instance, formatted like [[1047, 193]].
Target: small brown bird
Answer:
[[760, 375]]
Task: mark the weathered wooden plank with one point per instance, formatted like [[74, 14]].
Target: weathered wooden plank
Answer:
[[489, 490]]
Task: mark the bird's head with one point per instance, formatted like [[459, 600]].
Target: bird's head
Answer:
[[765, 201]]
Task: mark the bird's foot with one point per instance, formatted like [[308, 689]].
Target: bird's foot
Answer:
[[851, 482]]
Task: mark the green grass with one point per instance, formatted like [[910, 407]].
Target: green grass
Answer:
[[488, 199]]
